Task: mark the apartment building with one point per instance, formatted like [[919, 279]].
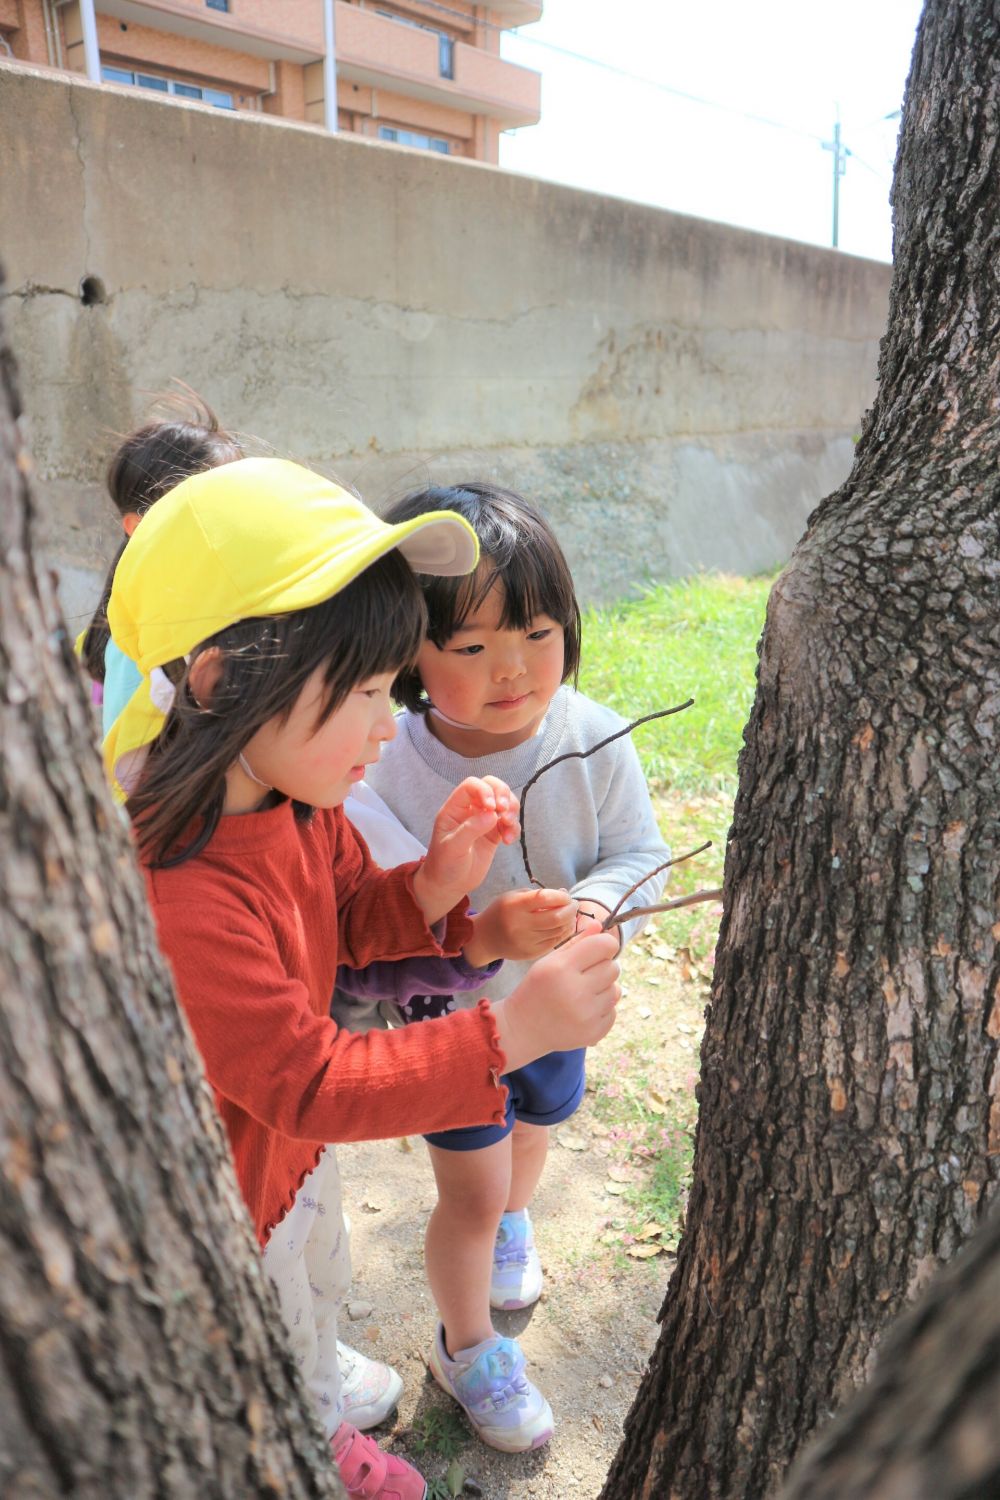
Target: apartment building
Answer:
[[425, 73]]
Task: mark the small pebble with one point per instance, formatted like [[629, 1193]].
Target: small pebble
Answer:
[[358, 1310], [470, 1487], [605, 1382]]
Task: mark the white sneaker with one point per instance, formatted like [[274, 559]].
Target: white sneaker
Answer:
[[489, 1384], [368, 1389], [517, 1272]]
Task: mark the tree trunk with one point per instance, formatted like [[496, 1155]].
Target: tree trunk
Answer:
[[849, 1120], [141, 1353], [925, 1427]]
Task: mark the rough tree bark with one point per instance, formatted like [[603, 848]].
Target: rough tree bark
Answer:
[[849, 1118], [141, 1352], [925, 1426]]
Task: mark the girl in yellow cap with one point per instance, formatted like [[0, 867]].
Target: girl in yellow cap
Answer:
[[269, 613]]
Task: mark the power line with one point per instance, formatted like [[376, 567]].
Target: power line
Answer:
[[651, 83]]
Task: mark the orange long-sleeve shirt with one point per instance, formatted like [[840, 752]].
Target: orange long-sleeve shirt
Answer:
[[254, 927]]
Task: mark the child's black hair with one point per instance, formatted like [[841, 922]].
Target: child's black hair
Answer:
[[374, 625], [149, 463], [518, 549]]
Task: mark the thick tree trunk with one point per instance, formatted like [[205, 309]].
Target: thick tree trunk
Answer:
[[925, 1427], [141, 1353], [849, 1118]]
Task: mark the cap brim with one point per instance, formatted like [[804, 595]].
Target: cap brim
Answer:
[[440, 542]]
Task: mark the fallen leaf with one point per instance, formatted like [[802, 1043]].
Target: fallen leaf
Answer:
[[643, 1252], [615, 1188], [572, 1142], [650, 1231], [405, 1144], [619, 1174], [595, 1419], [656, 1103], [371, 1207]]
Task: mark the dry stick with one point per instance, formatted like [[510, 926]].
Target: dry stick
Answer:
[[609, 919], [648, 911], [661, 713]]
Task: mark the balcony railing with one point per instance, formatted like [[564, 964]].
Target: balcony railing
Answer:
[[372, 50]]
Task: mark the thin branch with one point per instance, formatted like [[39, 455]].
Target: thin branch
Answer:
[[661, 713], [648, 911], [644, 878]]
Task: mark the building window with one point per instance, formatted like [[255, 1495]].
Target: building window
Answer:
[[219, 97], [217, 4], [413, 138]]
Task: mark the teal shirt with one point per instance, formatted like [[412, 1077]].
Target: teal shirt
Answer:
[[121, 678]]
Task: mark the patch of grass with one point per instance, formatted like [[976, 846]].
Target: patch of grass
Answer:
[[450, 1485], [695, 638], [659, 1196], [438, 1432], [651, 1136]]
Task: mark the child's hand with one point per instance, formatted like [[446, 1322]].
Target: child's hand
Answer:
[[587, 908], [567, 1000], [479, 814], [522, 924]]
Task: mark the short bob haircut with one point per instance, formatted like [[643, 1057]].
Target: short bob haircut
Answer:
[[518, 549], [372, 626]]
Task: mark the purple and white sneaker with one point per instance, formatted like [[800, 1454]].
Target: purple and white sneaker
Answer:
[[489, 1384], [517, 1272]]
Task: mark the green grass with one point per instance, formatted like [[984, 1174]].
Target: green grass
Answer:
[[438, 1432], [651, 1134], [695, 639]]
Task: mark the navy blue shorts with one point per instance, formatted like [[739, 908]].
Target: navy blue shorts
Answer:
[[544, 1092]]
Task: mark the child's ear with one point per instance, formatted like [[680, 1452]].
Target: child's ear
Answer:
[[130, 521], [203, 676]]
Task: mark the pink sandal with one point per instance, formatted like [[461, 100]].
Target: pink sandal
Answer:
[[370, 1474]]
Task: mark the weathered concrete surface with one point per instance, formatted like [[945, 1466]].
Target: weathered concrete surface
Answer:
[[676, 394]]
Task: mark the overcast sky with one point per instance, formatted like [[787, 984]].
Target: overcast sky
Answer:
[[774, 74]]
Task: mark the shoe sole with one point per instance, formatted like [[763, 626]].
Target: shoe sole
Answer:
[[538, 1441]]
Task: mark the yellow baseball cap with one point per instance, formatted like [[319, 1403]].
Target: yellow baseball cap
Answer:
[[260, 536]]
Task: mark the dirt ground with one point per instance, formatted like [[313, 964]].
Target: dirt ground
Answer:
[[589, 1338]]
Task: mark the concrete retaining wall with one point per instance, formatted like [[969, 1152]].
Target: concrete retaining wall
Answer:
[[676, 394]]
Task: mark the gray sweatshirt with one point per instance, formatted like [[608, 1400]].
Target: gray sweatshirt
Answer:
[[590, 824]]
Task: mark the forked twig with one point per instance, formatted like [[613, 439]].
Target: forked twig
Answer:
[[661, 713], [609, 920], [649, 911]]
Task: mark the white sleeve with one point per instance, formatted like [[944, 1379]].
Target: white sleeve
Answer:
[[389, 843]]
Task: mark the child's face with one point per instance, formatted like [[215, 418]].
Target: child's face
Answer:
[[495, 683], [318, 766]]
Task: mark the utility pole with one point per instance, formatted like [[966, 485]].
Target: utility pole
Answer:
[[329, 68], [840, 155]]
